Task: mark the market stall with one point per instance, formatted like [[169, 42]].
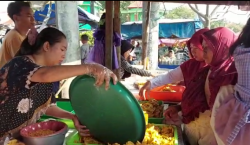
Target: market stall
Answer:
[[172, 34], [112, 116]]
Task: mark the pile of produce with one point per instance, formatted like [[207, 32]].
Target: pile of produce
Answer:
[[155, 135]]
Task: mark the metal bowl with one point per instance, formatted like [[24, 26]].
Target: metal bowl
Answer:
[[56, 138]]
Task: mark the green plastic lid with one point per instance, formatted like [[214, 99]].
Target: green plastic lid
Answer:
[[112, 116]]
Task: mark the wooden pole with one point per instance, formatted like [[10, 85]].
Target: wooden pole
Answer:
[[145, 36], [117, 29], [109, 34]]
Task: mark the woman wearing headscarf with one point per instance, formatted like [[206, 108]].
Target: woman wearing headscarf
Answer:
[[97, 53], [193, 104], [126, 68], [222, 74], [231, 110]]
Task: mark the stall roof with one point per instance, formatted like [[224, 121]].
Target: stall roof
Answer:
[[84, 16]]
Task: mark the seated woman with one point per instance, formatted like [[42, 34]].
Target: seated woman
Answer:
[[231, 110], [126, 68], [26, 87]]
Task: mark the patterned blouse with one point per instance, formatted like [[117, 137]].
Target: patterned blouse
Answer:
[[22, 102]]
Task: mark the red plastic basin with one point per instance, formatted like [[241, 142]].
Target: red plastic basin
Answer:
[[158, 94]]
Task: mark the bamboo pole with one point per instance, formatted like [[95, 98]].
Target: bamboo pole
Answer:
[[109, 34], [117, 29]]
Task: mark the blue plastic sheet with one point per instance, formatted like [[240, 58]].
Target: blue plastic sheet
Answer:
[[180, 29]]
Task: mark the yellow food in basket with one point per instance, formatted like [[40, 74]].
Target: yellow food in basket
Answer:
[[155, 135]]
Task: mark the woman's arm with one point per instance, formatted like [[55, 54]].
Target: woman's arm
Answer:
[[57, 73], [57, 112], [173, 76], [127, 67]]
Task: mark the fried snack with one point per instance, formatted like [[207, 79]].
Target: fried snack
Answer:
[[168, 89], [152, 108], [41, 132], [88, 140], [156, 135]]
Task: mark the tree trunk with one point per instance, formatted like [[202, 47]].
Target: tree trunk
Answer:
[[152, 52], [206, 23]]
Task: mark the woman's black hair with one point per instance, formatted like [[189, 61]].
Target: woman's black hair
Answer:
[[125, 46], [49, 34], [243, 38]]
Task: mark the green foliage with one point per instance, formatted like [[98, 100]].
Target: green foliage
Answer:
[[90, 35], [180, 12], [219, 23], [123, 7], [236, 27], [183, 12]]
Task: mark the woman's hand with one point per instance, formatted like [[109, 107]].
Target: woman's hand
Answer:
[[101, 74], [145, 87], [82, 130], [171, 114]]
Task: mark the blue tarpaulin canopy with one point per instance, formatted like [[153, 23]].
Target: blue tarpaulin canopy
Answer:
[[84, 16], [167, 28]]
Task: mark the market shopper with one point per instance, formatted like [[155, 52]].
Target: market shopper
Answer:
[[26, 87], [97, 53], [230, 115], [126, 68], [22, 15]]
